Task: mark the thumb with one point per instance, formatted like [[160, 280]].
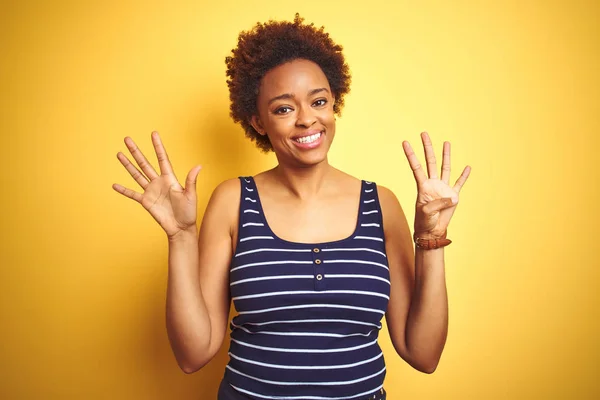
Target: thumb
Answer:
[[190, 181], [439, 204]]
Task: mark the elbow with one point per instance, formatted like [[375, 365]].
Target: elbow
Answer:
[[430, 369], [190, 368], [427, 367], [425, 362], [190, 363], [192, 360]]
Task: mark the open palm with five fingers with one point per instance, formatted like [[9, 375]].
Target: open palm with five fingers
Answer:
[[171, 205], [436, 200]]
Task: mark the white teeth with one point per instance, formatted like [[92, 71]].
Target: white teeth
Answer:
[[309, 139]]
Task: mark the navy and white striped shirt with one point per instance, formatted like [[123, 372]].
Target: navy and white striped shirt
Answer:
[[308, 314]]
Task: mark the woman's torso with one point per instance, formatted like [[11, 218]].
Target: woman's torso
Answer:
[[309, 314]]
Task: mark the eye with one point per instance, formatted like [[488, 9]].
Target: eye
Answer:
[[320, 102], [283, 110]]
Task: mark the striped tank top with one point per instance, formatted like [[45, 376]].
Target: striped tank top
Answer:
[[309, 315]]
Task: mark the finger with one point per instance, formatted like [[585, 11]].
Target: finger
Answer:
[[190, 181], [161, 154], [140, 159], [128, 192], [429, 156], [133, 171], [462, 178], [439, 204], [418, 172], [446, 163]]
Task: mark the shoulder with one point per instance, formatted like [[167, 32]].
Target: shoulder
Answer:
[[224, 202], [227, 189], [386, 196], [387, 199], [226, 194], [391, 210], [396, 229]]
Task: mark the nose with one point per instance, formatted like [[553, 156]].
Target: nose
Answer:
[[305, 117]]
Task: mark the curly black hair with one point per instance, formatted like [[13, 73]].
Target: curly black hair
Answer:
[[270, 44]]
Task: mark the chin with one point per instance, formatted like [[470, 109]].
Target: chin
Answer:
[[314, 158], [313, 161]]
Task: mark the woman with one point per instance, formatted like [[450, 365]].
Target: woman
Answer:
[[311, 256]]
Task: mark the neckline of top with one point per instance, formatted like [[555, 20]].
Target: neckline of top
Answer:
[[307, 244]]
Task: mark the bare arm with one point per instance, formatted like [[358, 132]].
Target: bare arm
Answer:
[[188, 325], [417, 315], [197, 308], [427, 325]]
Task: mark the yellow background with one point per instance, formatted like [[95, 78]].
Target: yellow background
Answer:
[[514, 86]]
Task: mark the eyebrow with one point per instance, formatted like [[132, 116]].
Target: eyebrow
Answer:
[[291, 96]]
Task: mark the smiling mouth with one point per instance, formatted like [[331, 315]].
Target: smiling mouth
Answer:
[[310, 138]]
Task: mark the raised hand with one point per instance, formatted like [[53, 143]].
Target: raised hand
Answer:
[[436, 200], [171, 205]]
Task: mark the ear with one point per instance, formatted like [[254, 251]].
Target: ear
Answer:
[[257, 125]]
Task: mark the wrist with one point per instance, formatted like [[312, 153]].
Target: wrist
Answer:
[[432, 250], [430, 235], [183, 234], [430, 241]]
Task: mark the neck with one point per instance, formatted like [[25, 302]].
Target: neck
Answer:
[[304, 182]]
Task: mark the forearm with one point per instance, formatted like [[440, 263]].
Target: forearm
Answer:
[[427, 322], [187, 319]]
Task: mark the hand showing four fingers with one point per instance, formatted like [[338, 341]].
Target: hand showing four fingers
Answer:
[[434, 206], [171, 205]]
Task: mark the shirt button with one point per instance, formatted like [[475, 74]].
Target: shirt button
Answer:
[[317, 261], [316, 250], [319, 277]]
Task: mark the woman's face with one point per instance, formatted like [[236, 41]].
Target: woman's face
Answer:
[[295, 110]]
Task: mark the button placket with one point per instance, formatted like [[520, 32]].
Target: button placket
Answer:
[[319, 272]]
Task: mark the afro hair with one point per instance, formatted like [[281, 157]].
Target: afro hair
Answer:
[[268, 45]]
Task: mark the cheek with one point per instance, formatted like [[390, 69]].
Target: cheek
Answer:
[[278, 129], [283, 126], [330, 119]]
